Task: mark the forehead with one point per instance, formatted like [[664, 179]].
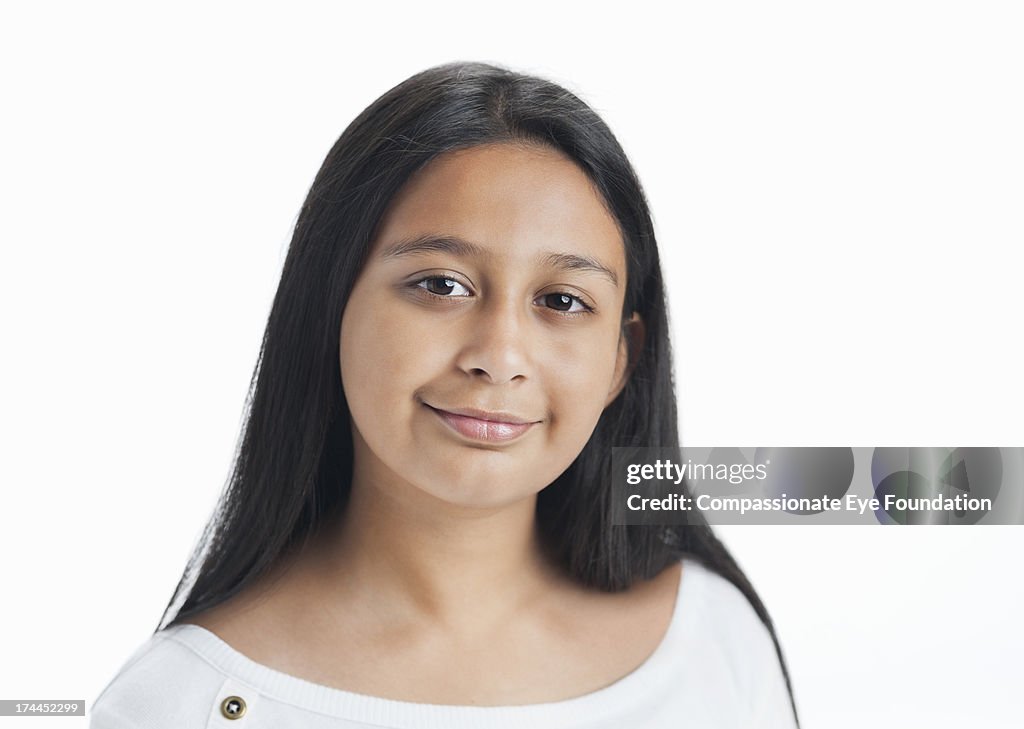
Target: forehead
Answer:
[[514, 201]]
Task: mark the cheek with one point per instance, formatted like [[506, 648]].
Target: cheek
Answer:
[[385, 355], [368, 366], [579, 373]]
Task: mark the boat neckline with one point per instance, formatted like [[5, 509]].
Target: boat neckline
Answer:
[[621, 695]]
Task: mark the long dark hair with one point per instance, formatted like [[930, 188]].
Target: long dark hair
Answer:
[[292, 469]]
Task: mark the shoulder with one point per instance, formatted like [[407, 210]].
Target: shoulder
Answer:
[[734, 647], [725, 608], [164, 683]]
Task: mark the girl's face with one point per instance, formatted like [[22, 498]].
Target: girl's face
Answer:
[[483, 338]]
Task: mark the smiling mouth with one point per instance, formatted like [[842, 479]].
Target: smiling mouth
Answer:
[[482, 426]]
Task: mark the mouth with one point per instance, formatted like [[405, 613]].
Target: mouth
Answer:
[[481, 425]]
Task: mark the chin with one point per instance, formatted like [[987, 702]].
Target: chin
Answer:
[[478, 495]]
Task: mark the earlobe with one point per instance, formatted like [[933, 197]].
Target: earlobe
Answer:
[[631, 343]]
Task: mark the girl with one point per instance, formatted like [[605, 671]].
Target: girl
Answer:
[[417, 531]]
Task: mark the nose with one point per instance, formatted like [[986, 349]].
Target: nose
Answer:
[[495, 347]]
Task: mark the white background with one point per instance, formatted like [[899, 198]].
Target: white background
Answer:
[[838, 193]]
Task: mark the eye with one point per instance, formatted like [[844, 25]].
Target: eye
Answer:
[[565, 303], [442, 286]]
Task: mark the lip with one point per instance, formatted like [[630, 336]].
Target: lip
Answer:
[[483, 425]]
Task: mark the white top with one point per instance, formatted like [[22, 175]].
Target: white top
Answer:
[[715, 667]]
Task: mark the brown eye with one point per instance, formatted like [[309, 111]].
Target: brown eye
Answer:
[[441, 286], [564, 302]]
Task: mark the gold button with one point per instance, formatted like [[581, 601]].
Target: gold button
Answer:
[[233, 707]]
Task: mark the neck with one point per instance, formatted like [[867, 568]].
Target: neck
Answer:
[[426, 559]]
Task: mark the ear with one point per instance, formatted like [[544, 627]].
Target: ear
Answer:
[[631, 343]]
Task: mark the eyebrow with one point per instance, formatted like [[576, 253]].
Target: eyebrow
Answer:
[[461, 248]]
